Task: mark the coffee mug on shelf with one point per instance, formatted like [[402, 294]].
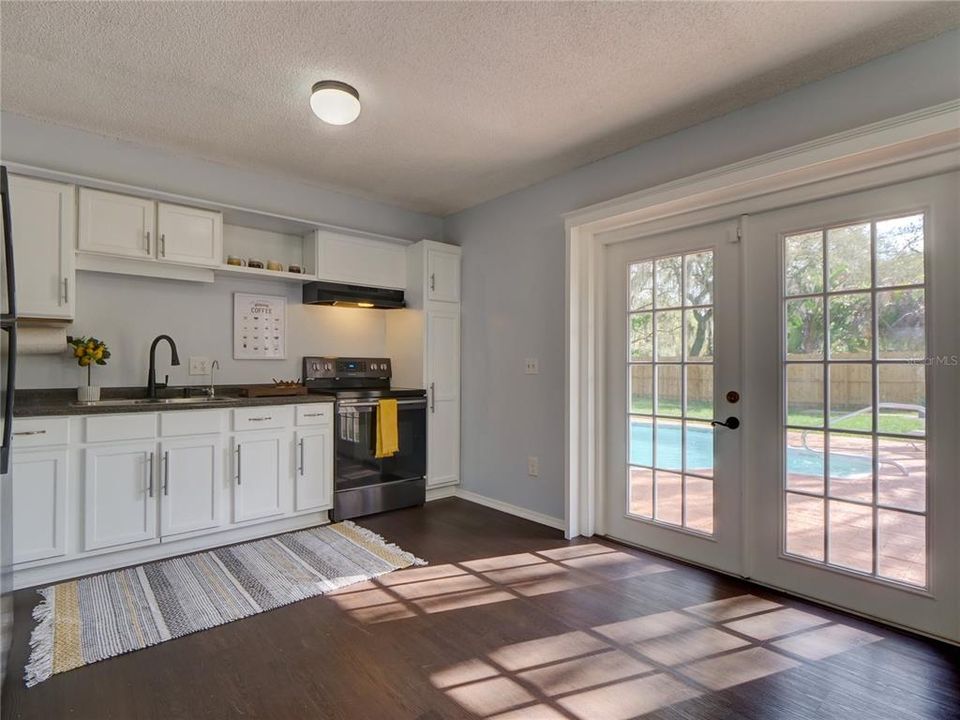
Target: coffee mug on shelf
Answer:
[[234, 260], [274, 265], [255, 263]]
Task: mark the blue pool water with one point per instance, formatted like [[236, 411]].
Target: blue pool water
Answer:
[[800, 461]]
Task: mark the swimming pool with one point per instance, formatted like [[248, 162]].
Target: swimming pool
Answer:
[[800, 461]]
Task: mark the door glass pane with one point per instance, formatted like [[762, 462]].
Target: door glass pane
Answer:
[[902, 473], [803, 255], [901, 324], [804, 526], [669, 498], [902, 547], [851, 327], [668, 282], [670, 375], [641, 389], [900, 251], [903, 399], [805, 395], [668, 390], [699, 334], [669, 342], [806, 451], [850, 535], [699, 504], [848, 253], [641, 492], [641, 337], [851, 396], [641, 286], [851, 467], [875, 467], [805, 329]]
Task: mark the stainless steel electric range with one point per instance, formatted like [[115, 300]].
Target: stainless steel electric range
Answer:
[[363, 483]]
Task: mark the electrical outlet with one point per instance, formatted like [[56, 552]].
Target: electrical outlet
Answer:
[[532, 366], [533, 466], [199, 366]]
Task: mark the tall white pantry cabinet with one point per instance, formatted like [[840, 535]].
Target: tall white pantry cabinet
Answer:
[[424, 342]]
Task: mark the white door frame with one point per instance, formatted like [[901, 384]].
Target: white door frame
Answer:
[[918, 144]]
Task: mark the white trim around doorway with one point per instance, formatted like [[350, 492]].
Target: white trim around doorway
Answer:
[[921, 143]]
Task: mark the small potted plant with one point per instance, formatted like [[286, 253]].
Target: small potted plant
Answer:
[[89, 351]]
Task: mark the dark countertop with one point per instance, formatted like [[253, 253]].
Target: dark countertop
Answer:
[[63, 401]]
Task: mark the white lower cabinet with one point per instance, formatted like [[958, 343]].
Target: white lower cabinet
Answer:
[[39, 497], [120, 498], [314, 480], [191, 481], [260, 466]]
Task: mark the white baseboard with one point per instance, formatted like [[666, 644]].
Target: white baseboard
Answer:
[[536, 517], [441, 492]]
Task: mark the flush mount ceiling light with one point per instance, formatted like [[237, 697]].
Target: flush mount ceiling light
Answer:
[[334, 102]]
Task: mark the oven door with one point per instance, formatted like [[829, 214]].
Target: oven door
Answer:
[[356, 428]]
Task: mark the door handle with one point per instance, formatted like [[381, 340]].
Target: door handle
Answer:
[[150, 476], [163, 244], [731, 422], [148, 242], [433, 281], [433, 397], [166, 472], [66, 291], [301, 457], [238, 464]]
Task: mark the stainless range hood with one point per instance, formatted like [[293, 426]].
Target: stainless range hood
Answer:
[[327, 293]]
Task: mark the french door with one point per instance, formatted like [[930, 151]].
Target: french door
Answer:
[[830, 332], [851, 395], [672, 356]]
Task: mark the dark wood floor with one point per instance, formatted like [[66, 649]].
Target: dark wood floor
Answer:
[[511, 621]]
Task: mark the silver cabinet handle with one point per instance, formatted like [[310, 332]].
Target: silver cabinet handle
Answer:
[[313, 414], [301, 457], [66, 291], [150, 476], [260, 419], [148, 242], [238, 464], [163, 244], [433, 281], [433, 397], [166, 472], [31, 432]]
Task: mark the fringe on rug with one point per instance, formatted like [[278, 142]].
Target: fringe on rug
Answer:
[[40, 666], [371, 536]]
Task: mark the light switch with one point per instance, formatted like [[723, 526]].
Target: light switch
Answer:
[[199, 366], [533, 466], [532, 366]]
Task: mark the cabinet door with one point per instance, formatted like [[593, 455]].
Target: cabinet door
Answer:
[[189, 235], [44, 226], [191, 479], [443, 276], [443, 419], [260, 469], [117, 224], [314, 482], [120, 498], [39, 504]]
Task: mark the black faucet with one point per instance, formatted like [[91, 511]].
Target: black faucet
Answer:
[[152, 372]]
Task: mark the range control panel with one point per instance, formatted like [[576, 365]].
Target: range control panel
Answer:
[[328, 368]]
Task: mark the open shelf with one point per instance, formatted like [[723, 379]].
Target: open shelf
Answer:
[[267, 274]]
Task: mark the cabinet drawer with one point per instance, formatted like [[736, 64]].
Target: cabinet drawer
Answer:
[[261, 418], [315, 414], [191, 422], [131, 426], [38, 432]]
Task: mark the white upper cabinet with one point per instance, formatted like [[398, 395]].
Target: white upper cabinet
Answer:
[[189, 235], [117, 224], [360, 261], [443, 274], [44, 227]]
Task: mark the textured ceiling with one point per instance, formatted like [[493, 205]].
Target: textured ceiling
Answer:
[[462, 102]]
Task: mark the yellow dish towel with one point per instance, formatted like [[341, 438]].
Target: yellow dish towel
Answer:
[[388, 440]]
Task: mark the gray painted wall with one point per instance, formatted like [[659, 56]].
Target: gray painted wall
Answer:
[[128, 312], [513, 256]]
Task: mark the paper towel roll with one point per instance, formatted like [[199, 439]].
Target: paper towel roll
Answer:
[[42, 340]]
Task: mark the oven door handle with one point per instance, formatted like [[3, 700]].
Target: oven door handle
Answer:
[[422, 402]]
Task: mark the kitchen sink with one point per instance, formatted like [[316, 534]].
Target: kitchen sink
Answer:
[[157, 401]]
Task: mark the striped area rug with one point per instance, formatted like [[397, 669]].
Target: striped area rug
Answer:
[[94, 618]]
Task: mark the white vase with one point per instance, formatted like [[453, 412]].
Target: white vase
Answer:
[[88, 393]]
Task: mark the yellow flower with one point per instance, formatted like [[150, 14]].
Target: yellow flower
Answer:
[[84, 361], [78, 352], [98, 354], [91, 344]]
